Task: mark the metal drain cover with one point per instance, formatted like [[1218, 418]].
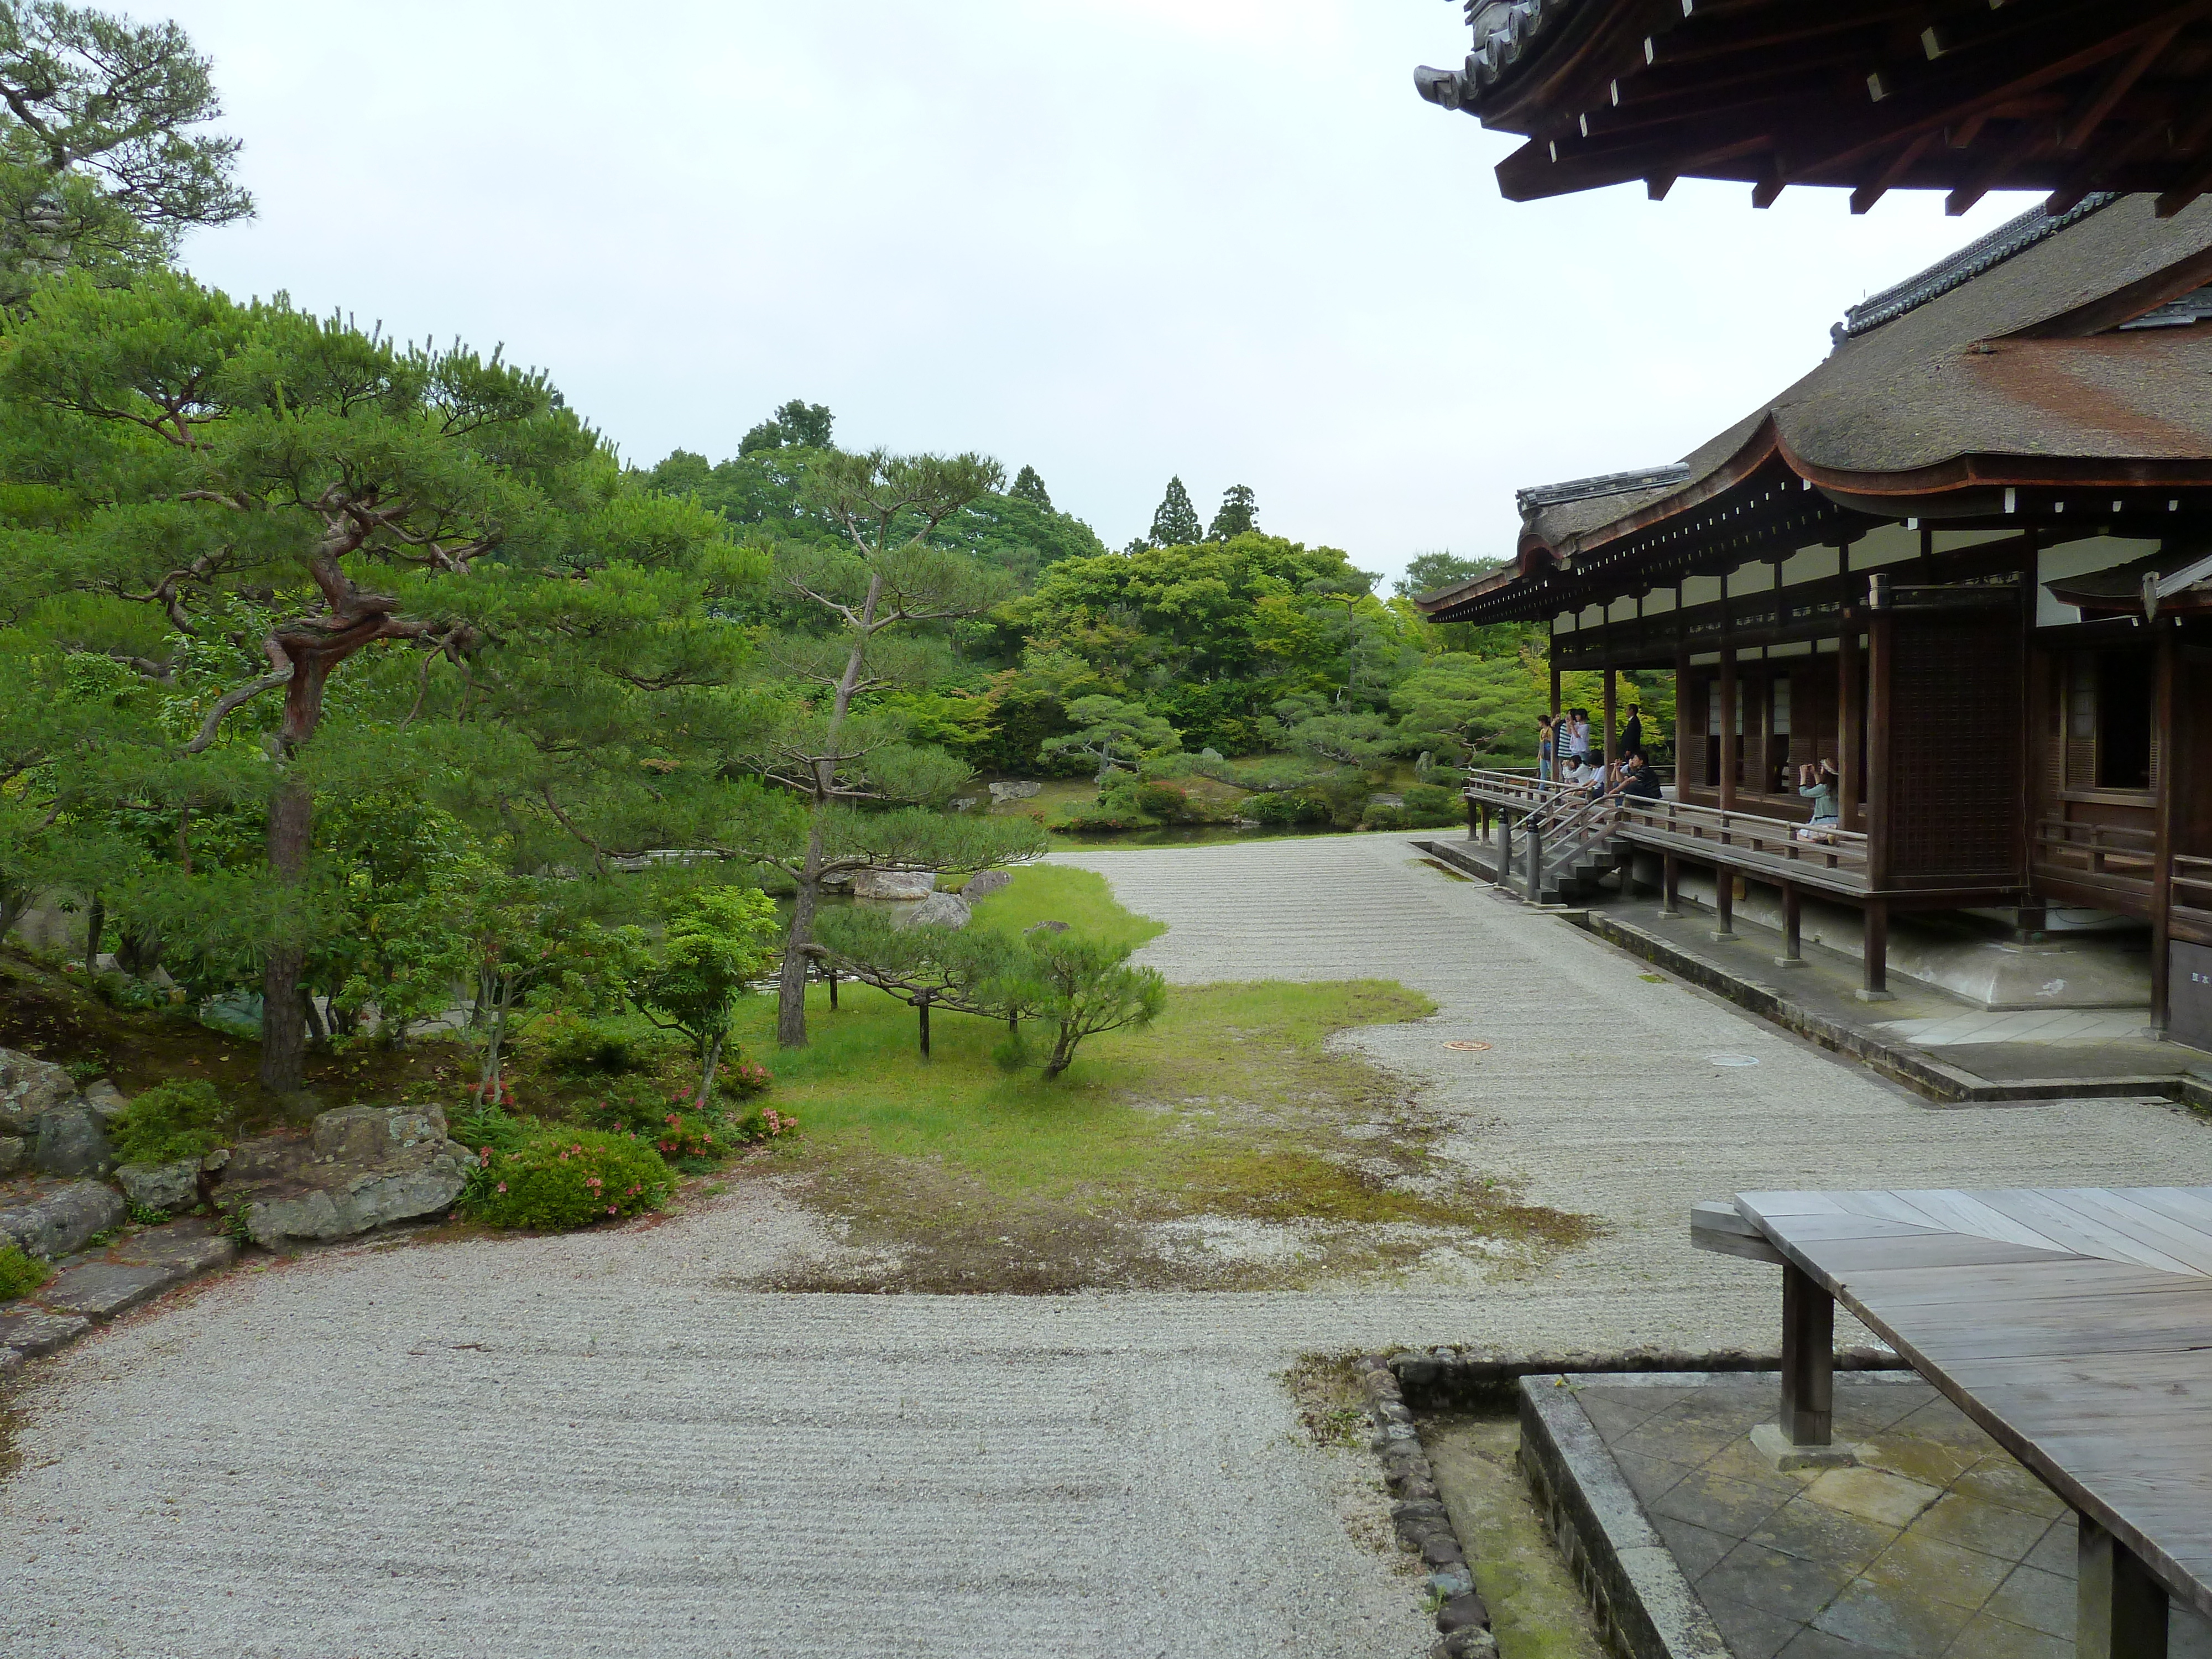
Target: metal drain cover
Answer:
[[1468, 1048], [1734, 1060]]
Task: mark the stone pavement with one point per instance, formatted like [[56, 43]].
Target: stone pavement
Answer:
[[601, 1444]]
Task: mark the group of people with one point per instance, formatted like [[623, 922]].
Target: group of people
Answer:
[[1563, 756]]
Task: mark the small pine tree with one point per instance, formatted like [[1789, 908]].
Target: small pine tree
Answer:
[[1175, 521], [1031, 488], [1239, 514], [797, 425]]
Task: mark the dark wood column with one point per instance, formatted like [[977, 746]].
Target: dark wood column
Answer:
[[1552, 655], [2120, 1610], [1875, 988], [1612, 708], [1808, 1360], [1851, 787], [2161, 874], [1792, 928], [1880, 650], [1730, 744]]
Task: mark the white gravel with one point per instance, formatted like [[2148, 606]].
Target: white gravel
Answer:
[[596, 1445]]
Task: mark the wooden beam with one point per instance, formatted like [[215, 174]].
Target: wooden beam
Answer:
[[1899, 166], [2105, 97]]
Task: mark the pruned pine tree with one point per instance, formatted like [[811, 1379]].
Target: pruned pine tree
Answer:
[[1239, 514], [101, 167], [1175, 520], [1029, 486], [1118, 735], [797, 425], [249, 473], [832, 758]]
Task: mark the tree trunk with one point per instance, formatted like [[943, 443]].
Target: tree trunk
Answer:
[[1063, 1054], [707, 1075], [921, 1002], [95, 924], [283, 1026], [316, 1030], [791, 988]]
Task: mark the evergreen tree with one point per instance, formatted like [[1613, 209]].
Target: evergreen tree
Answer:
[[1029, 487], [1239, 514], [1175, 521], [99, 169], [797, 425]]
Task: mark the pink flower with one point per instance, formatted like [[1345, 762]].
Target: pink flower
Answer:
[[610, 1209], [502, 1186]]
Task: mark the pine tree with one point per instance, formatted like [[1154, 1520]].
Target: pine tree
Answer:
[[1031, 488], [1239, 514], [1175, 521], [797, 425]]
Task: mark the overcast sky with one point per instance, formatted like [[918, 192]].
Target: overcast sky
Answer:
[[1112, 239]]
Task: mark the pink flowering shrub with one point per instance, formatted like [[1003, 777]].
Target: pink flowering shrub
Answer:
[[562, 1178]]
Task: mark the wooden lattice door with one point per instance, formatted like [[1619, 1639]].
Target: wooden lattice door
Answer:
[[1956, 793]]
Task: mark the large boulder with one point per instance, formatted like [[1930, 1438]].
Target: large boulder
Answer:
[[894, 883], [939, 910], [356, 1169], [29, 1089], [59, 1221], [72, 1140], [161, 1186], [984, 883]]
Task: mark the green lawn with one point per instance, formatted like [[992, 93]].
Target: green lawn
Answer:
[[1229, 1111]]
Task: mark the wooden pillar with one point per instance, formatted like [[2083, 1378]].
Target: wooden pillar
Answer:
[[1730, 744], [1473, 818], [1808, 1360], [1535, 858], [1791, 956], [1612, 708], [1505, 846], [1881, 651], [2119, 1609], [1552, 657], [1723, 901], [1875, 988], [2161, 873], [1670, 885], [1850, 722], [1683, 736]]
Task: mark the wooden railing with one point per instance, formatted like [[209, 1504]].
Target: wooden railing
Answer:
[[2192, 896], [1839, 854], [2125, 851]]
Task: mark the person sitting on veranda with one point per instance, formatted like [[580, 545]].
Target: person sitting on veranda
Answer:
[[1818, 785], [1639, 782]]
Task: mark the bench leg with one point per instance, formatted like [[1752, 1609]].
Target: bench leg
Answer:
[[1808, 1360], [1792, 956], [2119, 1609]]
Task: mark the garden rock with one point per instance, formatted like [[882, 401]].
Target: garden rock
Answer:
[[56, 1222], [29, 1089], [72, 1141], [101, 1290], [31, 1331], [1046, 927], [358, 1168], [161, 1186], [894, 883], [1014, 789], [14, 1151], [105, 1099], [939, 910], [190, 1246], [1464, 1613], [984, 883]]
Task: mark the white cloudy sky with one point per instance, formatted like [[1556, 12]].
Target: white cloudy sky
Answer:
[[1113, 239]]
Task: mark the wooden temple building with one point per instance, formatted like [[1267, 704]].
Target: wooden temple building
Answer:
[[1967, 560]]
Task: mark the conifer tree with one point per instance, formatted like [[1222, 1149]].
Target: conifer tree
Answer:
[[1029, 487], [1239, 514], [797, 425], [1175, 521]]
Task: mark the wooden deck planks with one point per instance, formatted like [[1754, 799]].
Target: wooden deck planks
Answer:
[[2074, 1324]]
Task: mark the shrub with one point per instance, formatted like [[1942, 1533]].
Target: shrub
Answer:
[[182, 1118], [20, 1274], [689, 1135], [765, 1124], [636, 1106], [1431, 806], [1381, 815], [1162, 800], [1289, 806], [560, 1179], [571, 1045]]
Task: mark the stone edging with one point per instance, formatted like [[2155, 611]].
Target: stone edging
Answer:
[[1423, 1526], [1446, 1378]]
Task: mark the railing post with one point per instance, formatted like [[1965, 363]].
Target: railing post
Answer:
[[1505, 846], [1535, 858]]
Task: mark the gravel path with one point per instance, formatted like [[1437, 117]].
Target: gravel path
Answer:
[[597, 1445]]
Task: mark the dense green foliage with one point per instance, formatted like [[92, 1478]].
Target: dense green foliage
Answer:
[[183, 1118], [21, 1273], [557, 1178]]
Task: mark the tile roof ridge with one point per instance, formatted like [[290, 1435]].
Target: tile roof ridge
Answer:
[[1956, 269]]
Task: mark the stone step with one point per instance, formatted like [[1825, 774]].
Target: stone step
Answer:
[[91, 1288]]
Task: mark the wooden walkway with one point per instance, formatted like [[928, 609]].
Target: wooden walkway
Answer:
[[2074, 1324]]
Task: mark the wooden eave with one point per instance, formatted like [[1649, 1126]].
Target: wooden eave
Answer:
[[2067, 96]]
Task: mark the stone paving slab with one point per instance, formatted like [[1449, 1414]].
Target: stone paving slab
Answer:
[[29, 1330], [101, 1290], [193, 1245]]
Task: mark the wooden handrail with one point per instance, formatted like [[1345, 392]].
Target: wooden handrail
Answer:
[[1778, 838]]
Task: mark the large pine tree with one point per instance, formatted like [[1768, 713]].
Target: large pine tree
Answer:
[[1175, 521], [1029, 486], [1239, 513]]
